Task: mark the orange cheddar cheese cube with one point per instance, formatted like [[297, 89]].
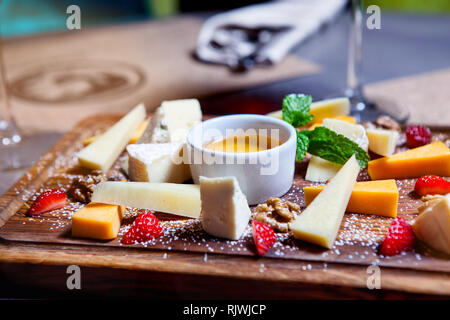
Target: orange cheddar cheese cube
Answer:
[[368, 197], [97, 221], [432, 158]]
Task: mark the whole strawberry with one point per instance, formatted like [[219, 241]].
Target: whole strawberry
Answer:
[[431, 185], [400, 238], [145, 227], [48, 200], [417, 136], [263, 235]]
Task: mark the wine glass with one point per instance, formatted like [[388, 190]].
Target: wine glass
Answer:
[[11, 139], [361, 108]]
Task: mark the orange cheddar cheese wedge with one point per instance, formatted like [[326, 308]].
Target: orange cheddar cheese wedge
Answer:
[[136, 135], [432, 158], [97, 221], [378, 197]]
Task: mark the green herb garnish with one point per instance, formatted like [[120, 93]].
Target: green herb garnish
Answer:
[[302, 144], [295, 109], [331, 146], [321, 141]]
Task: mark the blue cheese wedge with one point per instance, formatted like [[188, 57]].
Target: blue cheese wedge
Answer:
[[319, 223], [172, 121], [225, 211], [157, 162]]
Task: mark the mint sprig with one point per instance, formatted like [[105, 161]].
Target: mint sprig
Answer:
[[331, 146], [302, 144], [295, 109]]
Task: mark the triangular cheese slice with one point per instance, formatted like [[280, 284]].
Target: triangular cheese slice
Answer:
[[433, 158], [102, 153], [319, 222]]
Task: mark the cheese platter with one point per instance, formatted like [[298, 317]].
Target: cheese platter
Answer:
[[330, 212]]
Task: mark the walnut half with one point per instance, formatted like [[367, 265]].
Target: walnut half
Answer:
[[277, 213]]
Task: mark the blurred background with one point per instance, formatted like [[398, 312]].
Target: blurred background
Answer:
[[24, 17], [132, 51]]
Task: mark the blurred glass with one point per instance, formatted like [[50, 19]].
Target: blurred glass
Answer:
[[362, 109], [12, 148]]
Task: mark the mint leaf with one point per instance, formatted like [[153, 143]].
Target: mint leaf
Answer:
[[295, 109], [329, 145], [302, 144]]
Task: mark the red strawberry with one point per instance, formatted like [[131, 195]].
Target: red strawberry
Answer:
[[400, 238], [432, 185], [417, 136], [48, 200], [263, 236], [145, 227]]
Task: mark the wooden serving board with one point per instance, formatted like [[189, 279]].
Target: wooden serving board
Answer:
[[356, 245]]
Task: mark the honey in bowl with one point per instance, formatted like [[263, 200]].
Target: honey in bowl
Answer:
[[243, 143]]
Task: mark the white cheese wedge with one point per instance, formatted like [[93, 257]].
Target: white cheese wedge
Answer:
[[382, 142], [319, 223], [328, 108], [432, 226], [101, 154], [172, 121], [320, 170], [157, 162], [178, 199], [225, 211]]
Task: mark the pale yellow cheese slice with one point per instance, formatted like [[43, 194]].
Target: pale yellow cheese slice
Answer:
[[328, 108], [178, 199], [101, 154], [382, 142], [319, 222]]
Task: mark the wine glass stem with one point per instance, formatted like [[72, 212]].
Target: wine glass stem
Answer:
[[5, 111], [354, 65]]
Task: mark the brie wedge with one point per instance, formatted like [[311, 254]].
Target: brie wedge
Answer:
[[172, 121], [319, 223], [225, 211], [432, 226], [157, 162]]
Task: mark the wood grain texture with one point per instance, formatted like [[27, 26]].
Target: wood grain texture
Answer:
[[45, 240], [74, 74]]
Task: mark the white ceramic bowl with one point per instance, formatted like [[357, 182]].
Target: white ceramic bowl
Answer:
[[262, 174]]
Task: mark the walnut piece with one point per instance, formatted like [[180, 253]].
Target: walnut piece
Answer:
[[82, 188], [387, 122], [277, 213]]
